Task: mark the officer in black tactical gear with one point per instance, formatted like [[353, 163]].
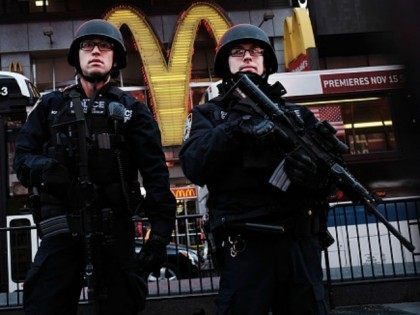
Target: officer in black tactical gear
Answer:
[[267, 241], [82, 149]]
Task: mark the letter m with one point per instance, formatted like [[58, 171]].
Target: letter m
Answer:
[[168, 76]]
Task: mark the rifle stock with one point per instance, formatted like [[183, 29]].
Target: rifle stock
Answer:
[[320, 143]]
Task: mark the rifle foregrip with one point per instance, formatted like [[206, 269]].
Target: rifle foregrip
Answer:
[[349, 184]]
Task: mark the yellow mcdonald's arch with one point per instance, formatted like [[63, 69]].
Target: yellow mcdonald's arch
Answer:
[[298, 34], [16, 66], [184, 192], [168, 77]]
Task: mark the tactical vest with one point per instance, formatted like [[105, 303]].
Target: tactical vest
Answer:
[[105, 137]]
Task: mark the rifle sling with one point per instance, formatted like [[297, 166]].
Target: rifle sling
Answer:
[[83, 133]]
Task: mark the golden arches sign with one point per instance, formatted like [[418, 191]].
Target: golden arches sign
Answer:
[[298, 35], [16, 66], [168, 78]]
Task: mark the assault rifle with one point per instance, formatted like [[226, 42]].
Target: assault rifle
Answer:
[[319, 143], [83, 217], [86, 220]]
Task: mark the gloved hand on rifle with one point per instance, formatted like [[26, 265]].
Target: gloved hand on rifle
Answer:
[[251, 128], [153, 254], [302, 171], [55, 180]]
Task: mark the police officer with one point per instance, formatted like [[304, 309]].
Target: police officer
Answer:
[[268, 241], [121, 138]]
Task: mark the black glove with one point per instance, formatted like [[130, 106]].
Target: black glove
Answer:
[[152, 255], [251, 127], [56, 180], [302, 171]]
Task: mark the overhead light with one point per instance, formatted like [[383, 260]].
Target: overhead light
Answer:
[[368, 124], [40, 3], [49, 32], [267, 16], [347, 100]]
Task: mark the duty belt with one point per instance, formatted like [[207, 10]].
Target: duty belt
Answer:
[[240, 233], [76, 224], [54, 226], [282, 227]]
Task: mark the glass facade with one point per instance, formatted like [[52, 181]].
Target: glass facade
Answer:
[[52, 73], [365, 124]]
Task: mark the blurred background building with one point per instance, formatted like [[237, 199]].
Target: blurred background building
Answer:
[[379, 122]]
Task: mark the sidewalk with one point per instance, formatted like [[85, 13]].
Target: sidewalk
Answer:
[[380, 309]]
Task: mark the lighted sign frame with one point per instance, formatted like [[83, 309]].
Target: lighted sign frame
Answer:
[[168, 77]]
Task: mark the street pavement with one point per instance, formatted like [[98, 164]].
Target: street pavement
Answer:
[[379, 309], [205, 305]]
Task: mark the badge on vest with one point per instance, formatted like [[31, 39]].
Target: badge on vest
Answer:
[[98, 107], [127, 115]]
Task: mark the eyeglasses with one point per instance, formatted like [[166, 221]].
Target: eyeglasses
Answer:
[[89, 45], [240, 52]]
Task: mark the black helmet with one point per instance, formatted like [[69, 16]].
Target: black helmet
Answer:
[[243, 32], [98, 28]]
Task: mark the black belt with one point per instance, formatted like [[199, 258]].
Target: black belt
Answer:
[[74, 224], [54, 226], [281, 227]]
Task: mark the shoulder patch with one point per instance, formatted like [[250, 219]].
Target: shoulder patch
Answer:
[[127, 115], [187, 127]]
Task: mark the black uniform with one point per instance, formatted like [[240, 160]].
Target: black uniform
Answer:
[[260, 269], [53, 284]]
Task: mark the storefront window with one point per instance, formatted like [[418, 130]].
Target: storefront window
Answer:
[[52, 73], [186, 227], [364, 124]]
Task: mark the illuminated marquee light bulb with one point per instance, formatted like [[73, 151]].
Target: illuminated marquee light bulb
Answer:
[[168, 78]]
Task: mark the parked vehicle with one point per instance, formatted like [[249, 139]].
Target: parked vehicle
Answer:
[[17, 93], [22, 244], [182, 263]]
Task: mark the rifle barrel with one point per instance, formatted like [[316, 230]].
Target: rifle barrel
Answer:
[[373, 210]]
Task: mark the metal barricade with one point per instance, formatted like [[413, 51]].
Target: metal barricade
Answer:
[[363, 251]]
